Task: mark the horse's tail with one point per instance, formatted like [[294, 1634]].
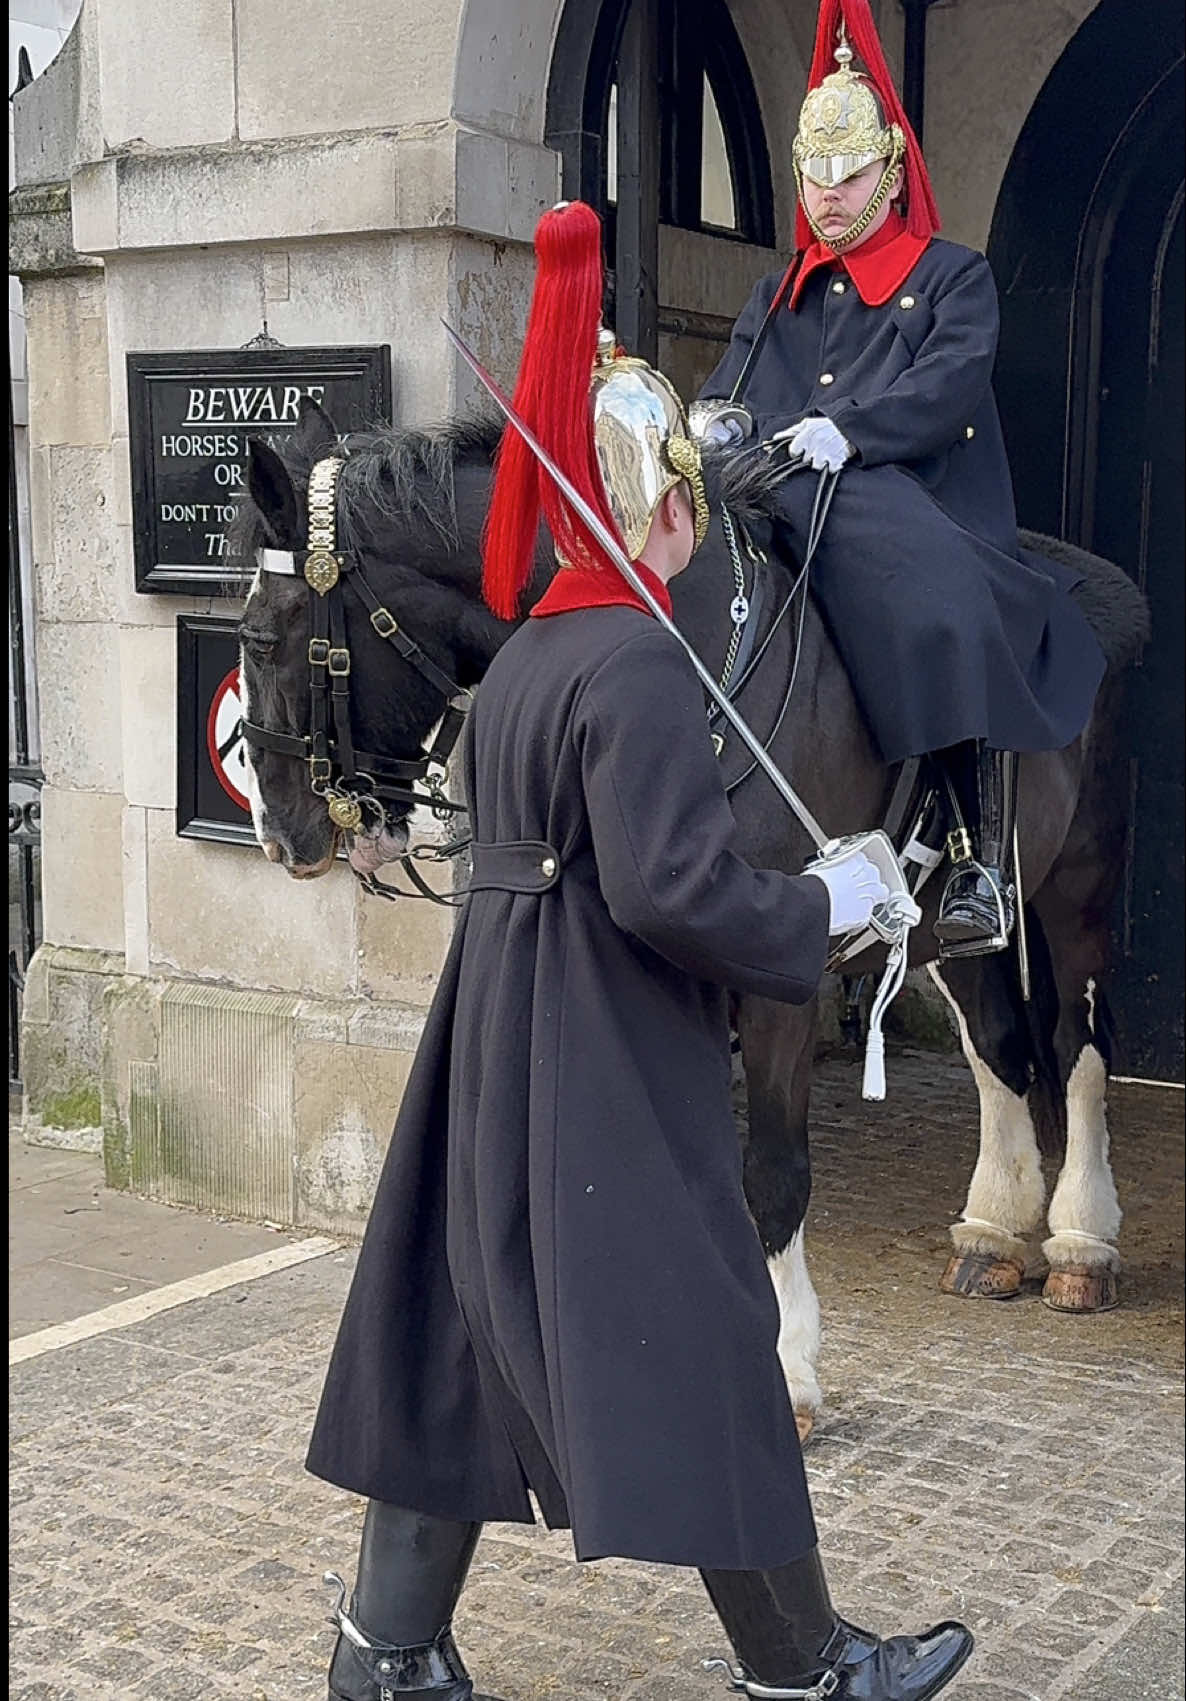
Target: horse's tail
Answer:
[[1047, 1098]]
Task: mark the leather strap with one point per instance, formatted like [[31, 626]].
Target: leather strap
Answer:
[[516, 865]]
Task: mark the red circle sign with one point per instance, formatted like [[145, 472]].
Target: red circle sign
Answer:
[[225, 742]]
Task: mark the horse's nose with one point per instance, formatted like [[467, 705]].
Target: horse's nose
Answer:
[[272, 850]]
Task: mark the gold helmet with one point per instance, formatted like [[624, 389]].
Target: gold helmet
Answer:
[[644, 447], [849, 120], [841, 131]]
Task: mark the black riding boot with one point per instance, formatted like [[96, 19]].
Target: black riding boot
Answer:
[[792, 1646], [396, 1638], [976, 912]]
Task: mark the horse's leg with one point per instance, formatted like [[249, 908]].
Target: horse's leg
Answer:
[[1084, 1214], [776, 1046], [1006, 1192]]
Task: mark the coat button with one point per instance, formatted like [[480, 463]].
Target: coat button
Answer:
[[906, 301], [838, 287], [826, 378], [548, 867], [969, 432]]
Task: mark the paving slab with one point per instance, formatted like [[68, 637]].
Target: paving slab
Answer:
[[997, 1462]]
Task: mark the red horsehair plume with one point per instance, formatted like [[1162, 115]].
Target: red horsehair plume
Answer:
[[552, 397], [922, 215]]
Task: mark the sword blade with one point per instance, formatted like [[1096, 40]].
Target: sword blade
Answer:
[[629, 572]]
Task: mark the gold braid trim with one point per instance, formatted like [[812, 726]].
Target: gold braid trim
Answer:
[[860, 224], [683, 456]]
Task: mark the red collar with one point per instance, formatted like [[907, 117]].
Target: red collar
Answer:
[[878, 267], [600, 587]]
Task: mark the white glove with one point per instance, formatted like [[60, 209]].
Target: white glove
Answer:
[[855, 888], [816, 441], [721, 431]]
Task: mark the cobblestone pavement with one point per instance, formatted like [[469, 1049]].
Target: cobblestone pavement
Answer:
[[1020, 1469]]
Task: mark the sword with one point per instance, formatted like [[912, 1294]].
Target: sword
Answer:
[[629, 572]]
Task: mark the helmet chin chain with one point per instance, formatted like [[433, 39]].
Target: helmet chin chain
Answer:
[[876, 201]]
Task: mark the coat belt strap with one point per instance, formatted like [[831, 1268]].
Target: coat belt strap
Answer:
[[516, 865]]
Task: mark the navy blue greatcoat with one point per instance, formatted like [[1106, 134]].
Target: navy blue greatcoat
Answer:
[[560, 1285], [948, 629]]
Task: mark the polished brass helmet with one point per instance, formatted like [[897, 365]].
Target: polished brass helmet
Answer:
[[644, 447], [841, 131]]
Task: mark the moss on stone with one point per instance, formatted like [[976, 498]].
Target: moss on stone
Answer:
[[77, 1107]]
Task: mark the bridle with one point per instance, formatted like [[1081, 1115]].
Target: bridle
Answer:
[[359, 786]]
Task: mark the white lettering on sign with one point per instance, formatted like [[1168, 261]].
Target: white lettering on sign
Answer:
[[248, 404], [219, 445]]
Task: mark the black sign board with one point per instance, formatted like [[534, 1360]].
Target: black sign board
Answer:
[[190, 416], [211, 777]]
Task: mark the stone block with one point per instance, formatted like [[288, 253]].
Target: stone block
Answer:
[[389, 290], [45, 115], [402, 945], [62, 1047], [970, 136], [169, 73], [501, 69], [69, 383], [254, 194], [78, 675], [135, 871], [81, 868], [131, 1038], [489, 295], [345, 1101], [371, 65], [41, 234], [74, 539], [148, 692], [223, 913]]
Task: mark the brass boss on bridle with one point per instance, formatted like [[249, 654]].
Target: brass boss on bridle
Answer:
[[357, 786]]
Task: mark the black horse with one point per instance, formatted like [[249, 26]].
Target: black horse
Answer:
[[410, 507]]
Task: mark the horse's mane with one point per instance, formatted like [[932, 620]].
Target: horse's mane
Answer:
[[393, 475], [407, 474]]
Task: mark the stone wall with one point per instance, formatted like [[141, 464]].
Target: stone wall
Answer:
[[348, 176]]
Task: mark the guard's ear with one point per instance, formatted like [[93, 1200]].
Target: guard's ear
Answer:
[[270, 488], [315, 434]]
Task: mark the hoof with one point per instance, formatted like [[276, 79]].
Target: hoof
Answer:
[[982, 1275], [804, 1423], [1082, 1288]]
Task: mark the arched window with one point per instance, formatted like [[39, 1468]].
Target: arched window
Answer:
[[653, 109]]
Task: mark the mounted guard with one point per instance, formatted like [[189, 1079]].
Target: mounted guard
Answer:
[[873, 353], [522, 1316]]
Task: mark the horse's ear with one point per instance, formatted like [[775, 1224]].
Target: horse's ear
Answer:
[[315, 434], [270, 488]]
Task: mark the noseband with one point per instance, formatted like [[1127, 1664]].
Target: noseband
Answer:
[[357, 786]]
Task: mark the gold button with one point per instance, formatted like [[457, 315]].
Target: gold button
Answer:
[[548, 867], [906, 301], [826, 378], [969, 432], [838, 287]]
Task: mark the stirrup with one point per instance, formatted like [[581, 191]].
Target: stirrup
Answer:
[[821, 1689], [399, 1670], [984, 944]]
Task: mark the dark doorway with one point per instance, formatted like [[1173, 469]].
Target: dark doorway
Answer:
[[1087, 247]]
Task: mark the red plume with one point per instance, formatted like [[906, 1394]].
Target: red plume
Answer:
[[922, 215], [552, 397]]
